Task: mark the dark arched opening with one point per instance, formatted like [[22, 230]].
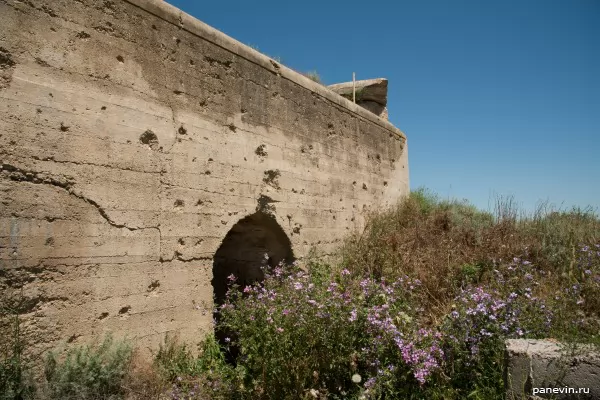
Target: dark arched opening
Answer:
[[242, 253]]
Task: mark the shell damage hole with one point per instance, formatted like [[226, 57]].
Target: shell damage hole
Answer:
[[178, 203], [149, 138], [120, 59], [155, 284], [124, 310], [271, 178], [260, 151]]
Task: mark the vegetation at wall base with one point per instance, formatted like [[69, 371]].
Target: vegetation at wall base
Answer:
[[15, 380], [418, 308]]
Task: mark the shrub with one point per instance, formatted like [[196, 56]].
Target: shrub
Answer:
[[329, 334], [196, 377], [89, 372], [15, 381], [433, 240]]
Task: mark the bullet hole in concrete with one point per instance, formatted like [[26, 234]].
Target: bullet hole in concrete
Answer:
[[245, 159], [82, 35], [177, 41], [294, 190], [296, 229], [243, 110], [182, 130], [207, 172], [103, 108], [271, 178], [50, 94], [149, 138], [177, 92], [178, 203], [385, 183], [124, 309], [154, 27], [64, 127], [72, 338], [254, 242], [50, 241], [378, 157], [210, 160], [260, 151], [202, 103], [181, 241], [192, 62], [354, 183], [364, 186], [352, 219], [155, 284], [199, 202], [103, 315], [120, 59], [232, 190], [232, 128]]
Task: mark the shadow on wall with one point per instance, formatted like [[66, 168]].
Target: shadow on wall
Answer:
[[243, 250]]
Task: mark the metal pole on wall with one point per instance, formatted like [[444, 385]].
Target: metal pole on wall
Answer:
[[353, 87]]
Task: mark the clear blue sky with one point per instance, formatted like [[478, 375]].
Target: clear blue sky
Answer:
[[496, 97]]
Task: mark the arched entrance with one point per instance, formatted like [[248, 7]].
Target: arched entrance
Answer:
[[243, 250]]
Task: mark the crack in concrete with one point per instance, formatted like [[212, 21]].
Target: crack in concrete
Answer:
[[51, 158], [179, 257], [67, 183]]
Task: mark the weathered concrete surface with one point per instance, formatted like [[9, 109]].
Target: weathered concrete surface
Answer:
[[371, 94], [548, 370], [133, 137]]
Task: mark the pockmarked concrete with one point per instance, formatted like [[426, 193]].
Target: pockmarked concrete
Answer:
[[542, 369], [145, 156]]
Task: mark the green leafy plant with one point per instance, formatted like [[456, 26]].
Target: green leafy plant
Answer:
[[89, 372], [15, 380]]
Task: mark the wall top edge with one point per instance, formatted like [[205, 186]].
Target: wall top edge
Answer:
[[171, 14]]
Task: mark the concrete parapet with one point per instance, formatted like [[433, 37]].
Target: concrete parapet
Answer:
[[543, 369]]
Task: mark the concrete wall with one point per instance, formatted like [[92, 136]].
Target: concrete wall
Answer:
[[541, 369], [133, 137]]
